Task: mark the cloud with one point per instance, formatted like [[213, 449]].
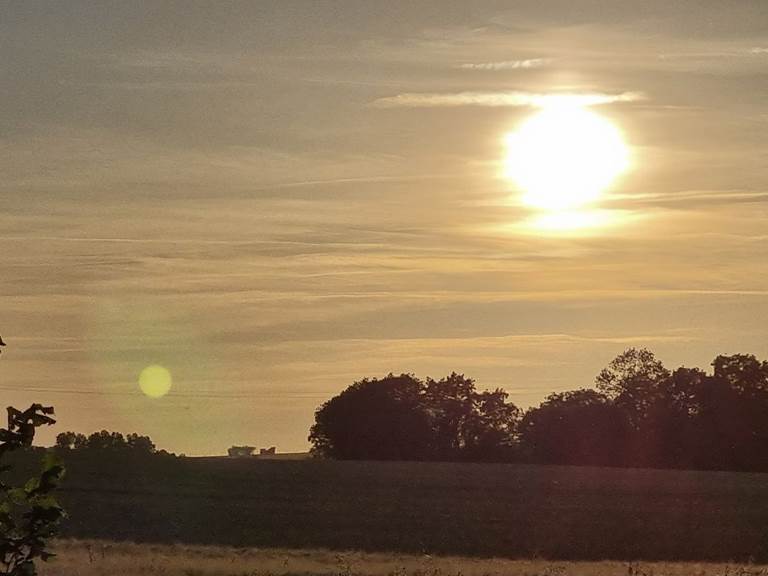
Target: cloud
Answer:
[[507, 64], [758, 50], [691, 198], [499, 99]]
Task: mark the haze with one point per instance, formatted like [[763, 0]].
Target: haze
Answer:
[[272, 200]]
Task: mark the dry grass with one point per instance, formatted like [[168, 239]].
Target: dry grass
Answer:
[[97, 558]]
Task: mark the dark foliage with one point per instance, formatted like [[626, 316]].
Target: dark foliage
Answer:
[[106, 441], [375, 420], [29, 513], [640, 415], [580, 427], [403, 418]]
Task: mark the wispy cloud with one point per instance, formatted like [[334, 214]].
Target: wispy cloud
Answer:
[[506, 64], [500, 99], [727, 51], [694, 197]]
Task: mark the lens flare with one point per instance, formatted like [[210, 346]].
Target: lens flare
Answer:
[[155, 381]]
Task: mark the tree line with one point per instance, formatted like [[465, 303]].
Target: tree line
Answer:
[[106, 441], [638, 414]]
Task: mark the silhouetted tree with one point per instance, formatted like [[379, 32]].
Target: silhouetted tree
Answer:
[[743, 372], [65, 440], [467, 424], [105, 440], [640, 414], [670, 435], [733, 425], [403, 418], [81, 442], [631, 381], [492, 432], [578, 427], [71, 441], [140, 444], [374, 420]]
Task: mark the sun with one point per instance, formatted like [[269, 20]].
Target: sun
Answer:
[[564, 157]]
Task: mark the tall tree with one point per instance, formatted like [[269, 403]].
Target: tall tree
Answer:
[[667, 436], [743, 372], [105, 440], [140, 444], [467, 424], [374, 419], [580, 427], [734, 421], [631, 381], [403, 418], [450, 404]]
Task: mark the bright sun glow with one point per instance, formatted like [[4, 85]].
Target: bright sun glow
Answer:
[[155, 381], [564, 157]]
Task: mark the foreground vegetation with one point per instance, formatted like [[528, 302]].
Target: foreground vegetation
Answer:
[[479, 510], [29, 511], [99, 558]]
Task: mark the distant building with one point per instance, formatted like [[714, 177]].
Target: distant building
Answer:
[[267, 451], [241, 451]]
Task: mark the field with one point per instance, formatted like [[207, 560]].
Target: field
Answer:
[[95, 558], [475, 510]]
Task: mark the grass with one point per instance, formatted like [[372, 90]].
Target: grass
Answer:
[[99, 558], [477, 510]]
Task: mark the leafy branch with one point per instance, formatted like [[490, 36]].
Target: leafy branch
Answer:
[[29, 514]]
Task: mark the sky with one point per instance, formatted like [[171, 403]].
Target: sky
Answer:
[[275, 199]]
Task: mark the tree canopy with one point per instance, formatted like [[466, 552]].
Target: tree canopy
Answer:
[[639, 414], [105, 440], [404, 418]]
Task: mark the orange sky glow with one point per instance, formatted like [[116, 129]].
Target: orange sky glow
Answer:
[[263, 202]]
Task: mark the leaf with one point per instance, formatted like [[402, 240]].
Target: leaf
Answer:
[[46, 501], [31, 485], [17, 496]]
